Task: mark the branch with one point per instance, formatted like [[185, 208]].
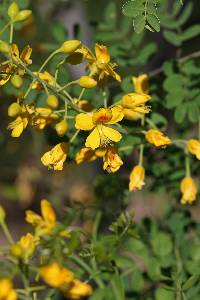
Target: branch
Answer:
[[180, 61]]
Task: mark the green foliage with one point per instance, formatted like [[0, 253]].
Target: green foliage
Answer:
[[143, 13], [127, 48]]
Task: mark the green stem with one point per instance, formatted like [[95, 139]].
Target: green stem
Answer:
[[152, 125], [74, 136], [6, 232], [50, 87], [141, 155], [89, 270], [81, 94], [187, 165], [199, 128], [66, 85], [11, 33], [5, 27]]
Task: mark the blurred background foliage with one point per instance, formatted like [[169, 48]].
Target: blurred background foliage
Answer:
[[163, 262]]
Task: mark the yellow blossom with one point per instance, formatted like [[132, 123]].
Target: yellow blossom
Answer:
[[112, 161], [98, 64], [189, 190], [6, 71], [141, 84], [46, 76], [56, 275], [78, 290], [157, 138], [134, 106], [46, 222], [7, 291], [193, 147], [21, 122], [87, 154], [55, 158], [137, 178], [27, 245], [43, 116], [24, 56], [101, 66], [101, 135]]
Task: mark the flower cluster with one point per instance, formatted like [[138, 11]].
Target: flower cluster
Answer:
[[30, 250], [103, 125]]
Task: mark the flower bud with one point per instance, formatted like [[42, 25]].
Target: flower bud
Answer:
[[4, 47], [13, 10], [87, 82], [70, 46], [52, 101], [14, 109], [17, 81], [2, 214], [22, 15], [16, 250], [61, 128]]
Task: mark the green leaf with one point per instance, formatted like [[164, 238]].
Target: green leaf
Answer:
[[172, 37], [163, 294], [180, 113], [139, 23], [190, 32], [154, 22], [154, 271], [137, 280], [173, 82], [193, 112], [174, 98], [98, 294], [162, 244], [133, 8], [170, 23], [190, 282]]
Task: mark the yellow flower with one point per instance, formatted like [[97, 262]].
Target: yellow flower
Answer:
[[46, 76], [112, 161], [46, 222], [193, 147], [55, 158], [43, 117], [87, 154], [134, 106], [25, 55], [78, 290], [7, 291], [27, 245], [6, 71], [22, 121], [56, 275], [189, 190], [99, 64], [101, 134], [157, 138], [137, 178], [141, 84]]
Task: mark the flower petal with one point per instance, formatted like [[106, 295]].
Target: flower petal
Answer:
[[84, 121], [117, 114], [93, 140], [102, 54], [111, 134]]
